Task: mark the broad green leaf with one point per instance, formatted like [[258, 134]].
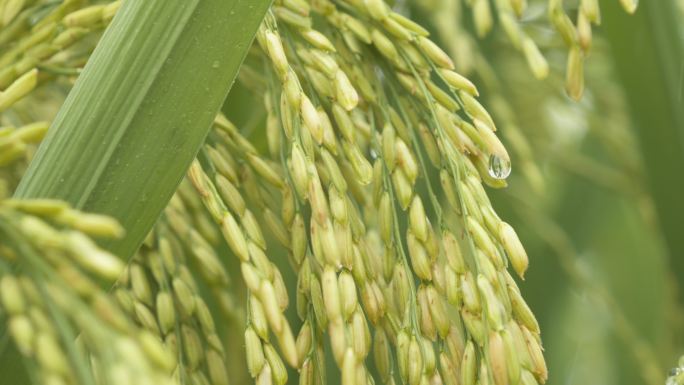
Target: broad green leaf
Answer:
[[141, 109], [649, 50]]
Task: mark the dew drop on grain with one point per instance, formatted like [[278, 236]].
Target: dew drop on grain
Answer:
[[499, 168]]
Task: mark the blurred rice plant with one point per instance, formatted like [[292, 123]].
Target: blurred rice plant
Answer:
[[591, 194]]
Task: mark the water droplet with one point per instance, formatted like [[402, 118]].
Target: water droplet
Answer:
[[499, 168], [373, 154], [216, 64]]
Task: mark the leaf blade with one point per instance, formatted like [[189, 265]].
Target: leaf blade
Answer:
[[141, 109]]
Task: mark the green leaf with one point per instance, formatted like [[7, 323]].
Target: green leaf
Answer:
[[649, 51], [141, 109]]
